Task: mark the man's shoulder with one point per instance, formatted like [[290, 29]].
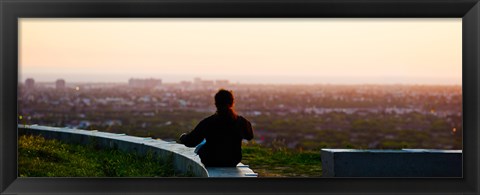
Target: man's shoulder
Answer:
[[243, 119], [208, 119], [214, 118]]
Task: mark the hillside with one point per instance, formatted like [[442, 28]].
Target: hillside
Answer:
[[39, 157]]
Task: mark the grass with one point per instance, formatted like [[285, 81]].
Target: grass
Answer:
[[269, 162], [38, 157]]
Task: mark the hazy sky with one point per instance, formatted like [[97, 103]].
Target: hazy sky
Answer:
[[414, 51]]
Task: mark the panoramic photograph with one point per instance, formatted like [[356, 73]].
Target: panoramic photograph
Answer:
[[185, 97]]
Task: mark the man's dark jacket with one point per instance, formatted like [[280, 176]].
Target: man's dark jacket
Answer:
[[223, 135]]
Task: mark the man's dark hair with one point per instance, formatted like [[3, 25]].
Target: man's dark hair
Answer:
[[224, 102], [224, 99]]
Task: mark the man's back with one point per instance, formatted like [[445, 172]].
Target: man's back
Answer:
[[223, 137]]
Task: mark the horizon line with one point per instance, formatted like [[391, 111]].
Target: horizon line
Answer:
[[238, 83], [250, 79]]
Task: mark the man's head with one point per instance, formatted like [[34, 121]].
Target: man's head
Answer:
[[224, 99]]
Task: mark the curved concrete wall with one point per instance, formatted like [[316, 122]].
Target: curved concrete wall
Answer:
[[184, 159]]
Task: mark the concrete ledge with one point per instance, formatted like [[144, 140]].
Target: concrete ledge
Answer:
[[184, 158], [391, 163], [240, 171]]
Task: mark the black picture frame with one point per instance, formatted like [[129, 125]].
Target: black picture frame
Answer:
[[11, 10]]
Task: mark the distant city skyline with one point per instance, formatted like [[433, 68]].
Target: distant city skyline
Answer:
[[276, 51], [246, 79]]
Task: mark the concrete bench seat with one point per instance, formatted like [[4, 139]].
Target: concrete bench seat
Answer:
[[184, 159], [240, 171]]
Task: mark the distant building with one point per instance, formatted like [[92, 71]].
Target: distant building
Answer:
[[29, 84], [203, 83], [185, 83], [207, 82], [222, 83], [60, 84], [144, 83], [197, 81]]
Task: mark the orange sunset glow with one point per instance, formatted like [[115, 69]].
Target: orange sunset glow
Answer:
[[352, 51]]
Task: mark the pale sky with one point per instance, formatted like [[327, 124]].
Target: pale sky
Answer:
[[345, 51]]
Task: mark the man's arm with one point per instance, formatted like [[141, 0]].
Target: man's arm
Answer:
[[248, 133], [194, 138]]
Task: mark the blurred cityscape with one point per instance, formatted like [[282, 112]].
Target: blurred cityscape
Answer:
[[304, 117]]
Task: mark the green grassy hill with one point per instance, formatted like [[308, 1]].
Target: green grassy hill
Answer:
[[39, 157], [282, 162], [51, 158]]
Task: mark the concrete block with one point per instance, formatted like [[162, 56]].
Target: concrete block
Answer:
[[391, 163]]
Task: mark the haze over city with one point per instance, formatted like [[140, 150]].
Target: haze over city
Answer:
[[337, 51], [304, 85]]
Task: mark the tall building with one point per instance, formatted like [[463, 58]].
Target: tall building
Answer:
[[145, 83], [207, 83], [60, 84], [222, 83], [29, 84], [203, 83], [197, 81]]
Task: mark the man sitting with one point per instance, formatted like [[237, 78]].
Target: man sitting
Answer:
[[223, 133]]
